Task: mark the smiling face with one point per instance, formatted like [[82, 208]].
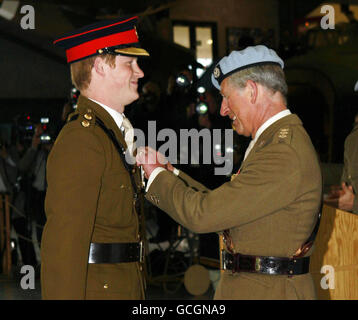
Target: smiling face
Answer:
[[236, 105], [122, 80]]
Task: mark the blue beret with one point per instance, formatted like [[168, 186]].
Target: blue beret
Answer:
[[239, 60]]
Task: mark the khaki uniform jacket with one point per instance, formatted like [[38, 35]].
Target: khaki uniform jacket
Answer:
[[89, 199], [350, 170], [270, 208]]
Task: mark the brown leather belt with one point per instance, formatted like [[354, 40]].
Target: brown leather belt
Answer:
[[116, 252], [266, 265]]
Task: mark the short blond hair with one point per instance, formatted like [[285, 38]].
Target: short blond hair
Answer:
[[81, 70]]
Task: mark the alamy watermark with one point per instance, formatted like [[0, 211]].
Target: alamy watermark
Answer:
[[327, 281], [28, 280], [28, 20], [9, 9], [194, 146], [328, 20]]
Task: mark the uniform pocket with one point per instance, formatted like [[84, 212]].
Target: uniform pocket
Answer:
[[113, 281]]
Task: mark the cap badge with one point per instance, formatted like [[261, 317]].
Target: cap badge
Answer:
[[217, 72]]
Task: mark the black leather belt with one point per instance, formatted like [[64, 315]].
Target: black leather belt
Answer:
[[265, 265], [116, 252]]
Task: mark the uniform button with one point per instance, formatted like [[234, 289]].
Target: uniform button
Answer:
[[140, 268], [138, 236], [85, 123], [106, 286]]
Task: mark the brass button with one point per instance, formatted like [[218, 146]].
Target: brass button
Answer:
[[140, 268], [106, 286], [85, 123], [138, 236], [100, 51], [88, 116]]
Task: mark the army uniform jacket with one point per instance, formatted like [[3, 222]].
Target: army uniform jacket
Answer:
[[270, 209], [350, 170], [89, 199]]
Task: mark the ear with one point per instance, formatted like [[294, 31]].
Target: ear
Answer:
[[252, 90], [98, 66]]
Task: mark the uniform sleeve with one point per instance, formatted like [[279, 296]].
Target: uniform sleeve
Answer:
[[266, 185], [74, 172], [191, 182]]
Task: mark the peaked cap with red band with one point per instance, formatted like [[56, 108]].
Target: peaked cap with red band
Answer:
[[118, 36]]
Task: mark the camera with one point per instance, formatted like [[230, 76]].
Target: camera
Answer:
[[45, 136], [25, 127], [74, 94]]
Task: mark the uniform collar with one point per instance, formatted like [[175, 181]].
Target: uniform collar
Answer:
[[117, 116], [264, 126]]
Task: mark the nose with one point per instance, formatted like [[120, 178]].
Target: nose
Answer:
[[137, 70], [224, 109]]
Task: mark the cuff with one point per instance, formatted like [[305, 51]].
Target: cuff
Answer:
[[176, 171]]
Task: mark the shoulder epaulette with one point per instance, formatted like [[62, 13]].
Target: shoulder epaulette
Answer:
[[86, 119]]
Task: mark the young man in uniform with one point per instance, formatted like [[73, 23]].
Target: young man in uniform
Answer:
[[92, 241]]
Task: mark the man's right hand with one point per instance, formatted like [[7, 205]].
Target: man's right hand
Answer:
[[150, 159]]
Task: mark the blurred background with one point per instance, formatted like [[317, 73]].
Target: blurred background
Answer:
[[185, 39]]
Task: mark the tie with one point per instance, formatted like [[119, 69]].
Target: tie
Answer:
[[129, 135]]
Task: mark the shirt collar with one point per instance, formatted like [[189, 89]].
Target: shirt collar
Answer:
[[117, 116], [264, 126], [270, 121]]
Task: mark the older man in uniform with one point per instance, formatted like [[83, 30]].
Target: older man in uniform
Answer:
[[269, 209], [91, 244]]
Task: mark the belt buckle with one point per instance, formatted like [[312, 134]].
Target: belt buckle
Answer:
[[257, 264], [141, 252]]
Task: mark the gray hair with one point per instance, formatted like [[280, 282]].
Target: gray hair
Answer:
[[270, 76]]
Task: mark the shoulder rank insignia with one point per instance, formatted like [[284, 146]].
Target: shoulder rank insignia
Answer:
[[283, 133], [88, 116]]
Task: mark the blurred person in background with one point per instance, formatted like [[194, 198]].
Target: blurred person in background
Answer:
[[348, 198]]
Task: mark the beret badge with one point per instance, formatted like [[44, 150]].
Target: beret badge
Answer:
[[216, 72]]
